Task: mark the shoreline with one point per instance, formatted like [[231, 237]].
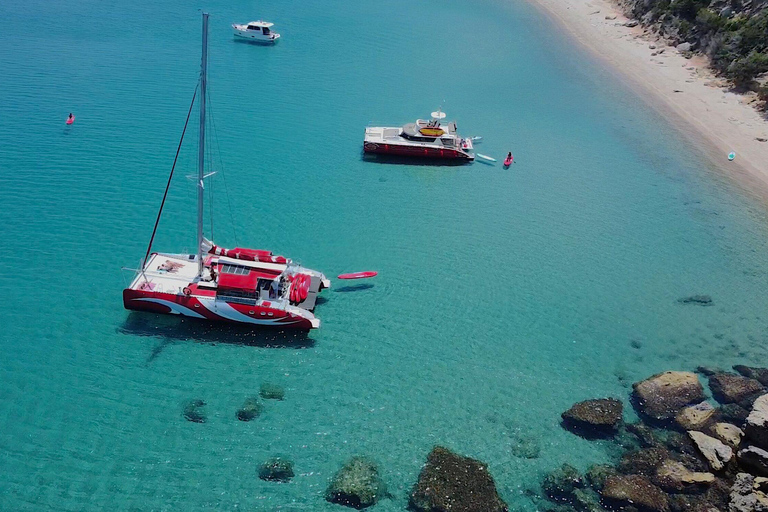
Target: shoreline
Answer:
[[685, 91]]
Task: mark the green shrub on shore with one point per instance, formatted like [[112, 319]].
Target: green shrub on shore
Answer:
[[736, 41]]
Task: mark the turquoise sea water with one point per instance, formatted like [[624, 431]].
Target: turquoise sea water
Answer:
[[503, 296]]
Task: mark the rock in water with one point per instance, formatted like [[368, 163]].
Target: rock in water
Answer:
[[695, 417], [728, 388], [594, 418], [643, 462], [250, 409], [597, 474], [749, 494], [450, 482], [751, 372], [756, 428], [727, 433], [674, 476], [663, 395], [271, 391], [755, 459], [276, 469], [716, 453], [193, 411], [357, 484], [634, 490], [560, 484], [698, 300]]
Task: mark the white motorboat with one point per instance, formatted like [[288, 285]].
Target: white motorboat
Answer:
[[256, 31]]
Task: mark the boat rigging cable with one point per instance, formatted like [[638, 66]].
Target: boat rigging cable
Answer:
[[168, 185], [221, 166]]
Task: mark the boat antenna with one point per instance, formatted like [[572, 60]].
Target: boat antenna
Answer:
[[201, 146], [168, 185]]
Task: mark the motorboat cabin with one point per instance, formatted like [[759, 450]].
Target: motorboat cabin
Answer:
[[256, 31]]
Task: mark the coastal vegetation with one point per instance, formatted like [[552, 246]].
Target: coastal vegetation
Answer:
[[734, 35]]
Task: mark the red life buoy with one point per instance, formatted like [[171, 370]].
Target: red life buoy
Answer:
[[187, 291]]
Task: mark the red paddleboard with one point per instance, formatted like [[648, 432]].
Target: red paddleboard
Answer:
[[358, 275], [70, 120]]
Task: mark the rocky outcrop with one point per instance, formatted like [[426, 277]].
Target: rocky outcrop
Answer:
[[754, 459], [756, 427], [250, 410], [748, 494], [193, 411], [663, 395], [716, 453], [269, 391], [695, 417], [634, 490], [356, 485], [276, 469], [450, 482], [730, 388], [752, 372], [674, 476], [594, 418], [727, 433]]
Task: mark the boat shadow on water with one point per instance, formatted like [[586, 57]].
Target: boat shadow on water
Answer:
[[171, 329], [410, 160], [354, 288]]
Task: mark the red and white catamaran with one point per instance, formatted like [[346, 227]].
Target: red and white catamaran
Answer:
[[236, 285], [423, 139]]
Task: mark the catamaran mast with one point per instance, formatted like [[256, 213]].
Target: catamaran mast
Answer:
[[201, 146]]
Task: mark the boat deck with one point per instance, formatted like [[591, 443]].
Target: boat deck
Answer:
[[167, 273]]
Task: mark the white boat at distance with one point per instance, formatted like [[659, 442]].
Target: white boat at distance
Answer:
[[257, 31]]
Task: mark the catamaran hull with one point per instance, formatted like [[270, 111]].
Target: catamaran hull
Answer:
[[416, 151], [216, 310]]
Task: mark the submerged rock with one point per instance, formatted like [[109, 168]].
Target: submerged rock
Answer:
[[634, 491], [597, 474], [674, 476], [276, 469], [594, 418], [250, 410], [587, 500], [698, 300], [733, 413], [271, 391], [661, 396], [643, 462], [756, 428], [525, 446], [716, 453], [751, 372], [193, 411], [730, 388], [559, 485], [357, 484], [695, 417], [450, 482], [749, 494]]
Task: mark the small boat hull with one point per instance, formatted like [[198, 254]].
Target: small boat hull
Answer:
[[256, 38], [210, 308]]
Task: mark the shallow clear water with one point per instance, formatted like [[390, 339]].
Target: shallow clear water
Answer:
[[503, 296]]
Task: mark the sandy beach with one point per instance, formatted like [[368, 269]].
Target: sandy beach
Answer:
[[684, 90]]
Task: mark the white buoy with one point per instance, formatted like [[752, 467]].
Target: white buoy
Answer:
[[731, 156]]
